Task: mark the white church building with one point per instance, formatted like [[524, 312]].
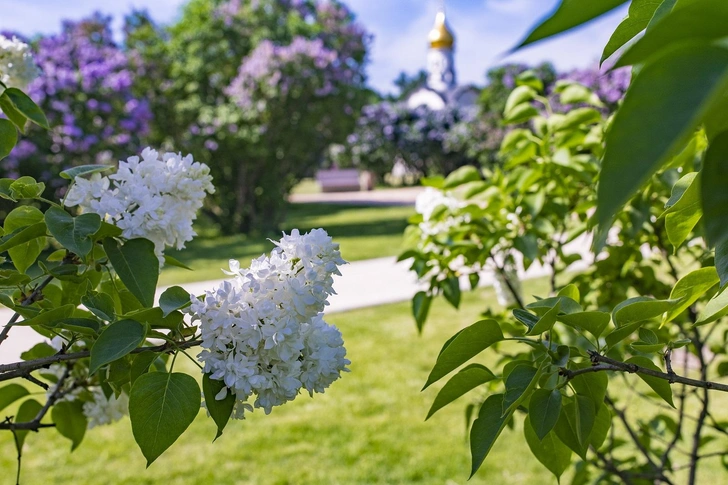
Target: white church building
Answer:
[[441, 89]]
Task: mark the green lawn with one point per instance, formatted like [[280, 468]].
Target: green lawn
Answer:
[[363, 232], [368, 427]]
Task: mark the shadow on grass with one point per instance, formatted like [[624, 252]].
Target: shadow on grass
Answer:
[[340, 221]]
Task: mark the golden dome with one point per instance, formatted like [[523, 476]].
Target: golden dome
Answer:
[[440, 36]]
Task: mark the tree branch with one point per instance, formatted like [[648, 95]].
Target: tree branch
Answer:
[[604, 363], [692, 474], [20, 369], [27, 302], [635, 438]]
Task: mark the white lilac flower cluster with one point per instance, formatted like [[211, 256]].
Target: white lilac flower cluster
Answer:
[[427, 202], [17, 67], [155, 197], [263, 332]]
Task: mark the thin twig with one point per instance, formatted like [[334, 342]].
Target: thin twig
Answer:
[[604, 363], [633, 436], [27, 302], [18, 369], [692, 474]]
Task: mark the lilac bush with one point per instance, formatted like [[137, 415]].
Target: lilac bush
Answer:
[[85, 89], [262, 87], [426, 141]]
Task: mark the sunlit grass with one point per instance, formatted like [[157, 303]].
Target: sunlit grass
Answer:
[[367, 428], [363, 232]]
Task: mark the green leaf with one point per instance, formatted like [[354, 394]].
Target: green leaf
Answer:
[[543, 411], [26, 413], [574, 93], [662, 11], [38, 351], [531, 79], [100, 304], [156, 319], [170, 261], [579, 117], [568, 15], [640, 309], [81, 170], [451, 290], [8, 137], [683, 209], [520, 95], [11, 393], [116, 341], [592, 385], [581, 414], [462, 176], [714, 197], [161, 408], [602, 423], [464, 381], [137, 266], [74, 233], [519, 384], [420, 308], [565, 428], [521, 114], [593, 322], [141, 364], [15, 116], [566, 304], [640, 14], [699, 20], [24, 255], [49, 317], [85, 326], [664, 105], [721, 260], [689, 288], [527, 318], [468, 343], [570, 291], [546, 322], [70, 421], [660, 386], [487, 427], [220, 410], [548, 450], [23, 236], [27, 107], [26, 188], [715, 309], [174, 298], [621, 333]]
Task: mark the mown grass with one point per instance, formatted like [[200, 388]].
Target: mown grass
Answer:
[[363, 232], [367, 429]]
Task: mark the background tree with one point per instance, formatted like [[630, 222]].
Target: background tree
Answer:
[[85, 89], [258, 88]]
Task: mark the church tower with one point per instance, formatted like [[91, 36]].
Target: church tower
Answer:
[[440, 58], [441, 89]]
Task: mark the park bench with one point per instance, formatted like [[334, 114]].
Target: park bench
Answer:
[[339, 180]]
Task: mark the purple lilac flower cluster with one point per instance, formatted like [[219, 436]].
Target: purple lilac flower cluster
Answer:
[[85, 91], [266, 72], [426, 141]]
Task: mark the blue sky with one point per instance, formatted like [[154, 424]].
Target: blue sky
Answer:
[[484, 30]]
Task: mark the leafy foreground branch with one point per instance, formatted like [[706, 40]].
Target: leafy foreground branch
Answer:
[[602, 363]]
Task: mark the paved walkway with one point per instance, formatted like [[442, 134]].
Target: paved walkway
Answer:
[[361, 284], [401, 196]]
